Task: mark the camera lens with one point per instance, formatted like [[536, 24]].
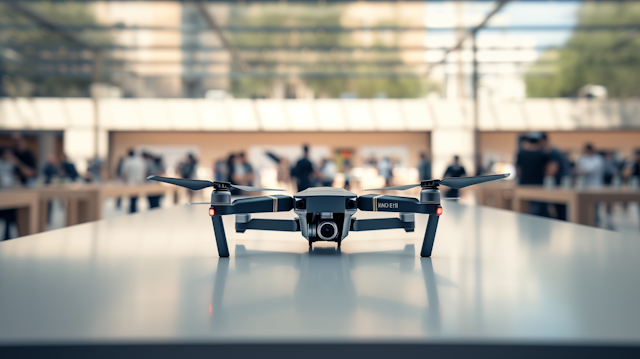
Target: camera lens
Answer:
[[328, 230], [351, 204], [300, 204]]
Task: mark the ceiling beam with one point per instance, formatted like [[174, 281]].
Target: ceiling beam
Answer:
[[203, 9], [70, 29]]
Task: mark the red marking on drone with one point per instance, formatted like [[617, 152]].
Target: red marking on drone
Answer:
[[439, 211], [212, 212]]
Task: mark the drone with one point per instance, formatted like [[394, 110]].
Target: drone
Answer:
[[326, 214]]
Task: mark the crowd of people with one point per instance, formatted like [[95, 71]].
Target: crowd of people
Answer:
[[540, 163]]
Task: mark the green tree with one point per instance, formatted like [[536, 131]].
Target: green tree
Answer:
[[357, 62], [605, 57]]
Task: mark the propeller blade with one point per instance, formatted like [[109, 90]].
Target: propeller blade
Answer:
[[187, 183], [397, 188], [253, 189], [191, 204], [450, 199], [461, 182]]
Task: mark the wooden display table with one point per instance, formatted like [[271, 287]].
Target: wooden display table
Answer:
[[580, 204], [497, 195], [26, 202]]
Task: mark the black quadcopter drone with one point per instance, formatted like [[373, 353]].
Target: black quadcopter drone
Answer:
[[326, 213]]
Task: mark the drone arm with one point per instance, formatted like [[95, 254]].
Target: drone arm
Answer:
[[383, 203], [282, 225], [358, 225], [263, 204]]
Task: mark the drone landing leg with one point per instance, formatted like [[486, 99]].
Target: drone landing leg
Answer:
[[221, 238], [429, 235]]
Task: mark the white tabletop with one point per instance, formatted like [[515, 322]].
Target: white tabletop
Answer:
[[495, 277]]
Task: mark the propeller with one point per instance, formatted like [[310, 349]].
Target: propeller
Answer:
[[199, 184], [452, 182]]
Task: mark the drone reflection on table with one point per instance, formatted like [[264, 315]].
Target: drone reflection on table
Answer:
[[325, 281]]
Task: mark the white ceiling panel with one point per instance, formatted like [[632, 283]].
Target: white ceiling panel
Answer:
[[214, 115], [243, 115], [388, 115], [79, 111], [510, 116], [330, 115], [359, 115], [51, 113], [272, 116], [120, 114], [300, 114], [416, 114], [154, 114], [184, 114]]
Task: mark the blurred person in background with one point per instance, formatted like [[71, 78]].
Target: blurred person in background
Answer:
[[154, 167], [94, 170], [8, 179], [133, 173], [220, 171], [68, 169], [51, 170], [346, 167], [303, 171], [591, 166], [25, 159], [632, 169], [455, 170], [328, 171], [424, 167], [242, 171], [188, 170], [558, 167], [385, 170], [119, 176], [532, 163], [7, 168]]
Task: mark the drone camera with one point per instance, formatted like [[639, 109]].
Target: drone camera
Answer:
[[328, 230]]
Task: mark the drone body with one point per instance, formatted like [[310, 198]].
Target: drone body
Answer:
[[326, 213]]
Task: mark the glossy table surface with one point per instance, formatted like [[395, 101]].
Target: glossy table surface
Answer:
[[495, 277]]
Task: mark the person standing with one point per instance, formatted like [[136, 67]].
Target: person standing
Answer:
[[25, 161], [133, 173], [303, 170], [424, 167], [591, 167], [384, 170], [154, 167], [531, 167], [12, 170], [188, 170], [558, 167], [68, 169], [455, 170], [328, 172], [50, 170]]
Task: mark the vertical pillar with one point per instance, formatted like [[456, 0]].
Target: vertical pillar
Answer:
[[476, 109]]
